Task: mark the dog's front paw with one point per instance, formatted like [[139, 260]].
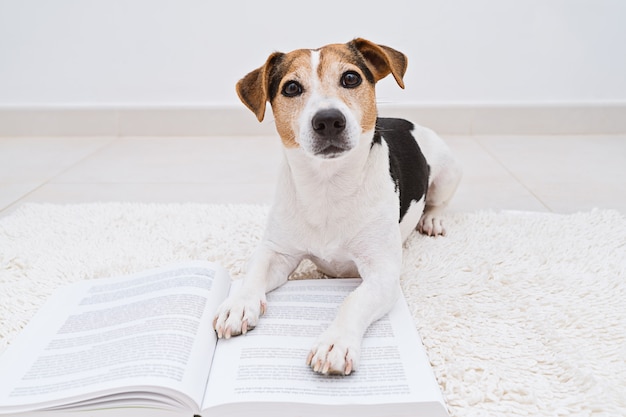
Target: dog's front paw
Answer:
[[430, 224], [238, 314], [334, 354]]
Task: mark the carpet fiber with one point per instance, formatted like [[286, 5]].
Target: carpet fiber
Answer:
[[521, 313]]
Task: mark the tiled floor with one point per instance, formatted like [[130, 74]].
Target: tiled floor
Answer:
[[539, 173]]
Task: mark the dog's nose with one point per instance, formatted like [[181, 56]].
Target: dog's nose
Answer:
[[328, 122]]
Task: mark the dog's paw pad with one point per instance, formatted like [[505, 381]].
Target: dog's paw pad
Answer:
[[333, 357], [238, 314]]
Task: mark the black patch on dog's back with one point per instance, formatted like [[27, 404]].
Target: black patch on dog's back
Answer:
[[407, 165]]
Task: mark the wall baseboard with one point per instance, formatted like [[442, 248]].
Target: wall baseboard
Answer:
[[457, 119], [516, 119]]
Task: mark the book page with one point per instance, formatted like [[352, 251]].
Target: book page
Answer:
[[268, 364], [106, 335]]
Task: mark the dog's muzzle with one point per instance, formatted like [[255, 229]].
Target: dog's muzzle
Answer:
[[329, 126]]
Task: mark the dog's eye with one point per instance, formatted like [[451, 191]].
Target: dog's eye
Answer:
[[292, 89], [350, 79]]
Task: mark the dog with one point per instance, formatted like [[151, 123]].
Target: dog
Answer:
[[352, 187]]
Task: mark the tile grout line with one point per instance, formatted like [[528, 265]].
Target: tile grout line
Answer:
[[16, 203], [82, 159], [506, 168]]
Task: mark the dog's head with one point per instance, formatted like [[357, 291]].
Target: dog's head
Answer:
[[322, 99]]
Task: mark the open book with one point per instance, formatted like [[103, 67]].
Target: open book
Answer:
[[144, 344]]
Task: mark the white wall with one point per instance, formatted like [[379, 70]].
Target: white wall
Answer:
[[191, 52]]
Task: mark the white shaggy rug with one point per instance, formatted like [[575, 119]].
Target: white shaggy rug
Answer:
[[521, 313]]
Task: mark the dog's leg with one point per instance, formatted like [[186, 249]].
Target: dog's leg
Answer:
[[338, 349], [440, 191], [239, 313]]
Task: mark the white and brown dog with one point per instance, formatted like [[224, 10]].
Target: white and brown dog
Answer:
[[352, 188]]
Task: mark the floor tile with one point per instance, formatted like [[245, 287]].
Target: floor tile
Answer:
[[179, 160], [10, 193], [486, 184], [567, 173], [536, 173], [28, 160]]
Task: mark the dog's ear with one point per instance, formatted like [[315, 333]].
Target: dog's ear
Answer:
[[382, 60], [253, 89]]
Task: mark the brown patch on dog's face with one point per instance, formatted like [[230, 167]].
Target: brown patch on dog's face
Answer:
[[295, 70], [302, 82], [338, 64], [326, 80]]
